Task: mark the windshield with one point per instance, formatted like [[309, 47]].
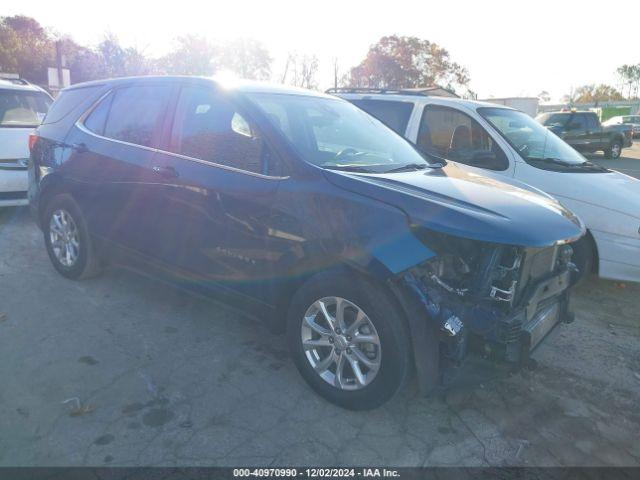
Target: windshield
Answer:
[[335, 134], [22, 109], [533, 142]]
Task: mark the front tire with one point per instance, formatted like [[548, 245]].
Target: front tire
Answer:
[[583, 258], [349, 340], [67, 239]]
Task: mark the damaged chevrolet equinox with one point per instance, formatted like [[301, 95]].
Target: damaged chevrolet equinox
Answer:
[[375, 259]]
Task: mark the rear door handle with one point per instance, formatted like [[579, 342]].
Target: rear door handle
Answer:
[[165, 172]]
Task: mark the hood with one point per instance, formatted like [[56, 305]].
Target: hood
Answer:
[[612, 190], [465, 204], [14, 142]]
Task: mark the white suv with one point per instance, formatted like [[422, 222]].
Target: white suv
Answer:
[[22, 108], [497, 141]]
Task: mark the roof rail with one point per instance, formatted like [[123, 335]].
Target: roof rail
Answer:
[[13, 79], [434, 91]]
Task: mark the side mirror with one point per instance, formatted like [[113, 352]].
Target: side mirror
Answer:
[[485, 159]]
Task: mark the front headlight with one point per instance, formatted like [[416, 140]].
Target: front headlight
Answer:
[[470, 269]]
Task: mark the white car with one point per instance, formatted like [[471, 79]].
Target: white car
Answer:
[[498, 141], [22, 108], [633, 120]]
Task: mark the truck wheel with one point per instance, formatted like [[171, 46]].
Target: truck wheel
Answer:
[[349, 340], [67, 239], [614, 150], [583, 258]]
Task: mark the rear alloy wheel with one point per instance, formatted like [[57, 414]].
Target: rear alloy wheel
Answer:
[[349, 340], [64, 238], [67, 239], [614, 150]]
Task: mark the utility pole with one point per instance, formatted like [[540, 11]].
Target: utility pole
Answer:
[[60, 60]]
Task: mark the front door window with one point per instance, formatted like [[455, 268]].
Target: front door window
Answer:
[[448, 133]]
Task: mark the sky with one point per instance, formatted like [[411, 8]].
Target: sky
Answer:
[[510, 48]]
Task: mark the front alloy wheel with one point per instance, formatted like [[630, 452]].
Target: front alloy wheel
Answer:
[[349, 339], [341, 343]]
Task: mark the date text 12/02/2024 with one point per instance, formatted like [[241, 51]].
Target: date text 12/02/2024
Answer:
[[316, 472]]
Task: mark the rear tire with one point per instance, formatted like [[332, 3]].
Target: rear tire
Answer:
[[67, 239], [615, 149], [358, 387]]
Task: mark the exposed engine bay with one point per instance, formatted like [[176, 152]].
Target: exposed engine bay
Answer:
[[500, 299]]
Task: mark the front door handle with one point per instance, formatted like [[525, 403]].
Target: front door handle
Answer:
[[166, 172]]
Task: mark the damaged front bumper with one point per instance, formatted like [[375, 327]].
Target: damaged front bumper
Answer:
[[506, 322]]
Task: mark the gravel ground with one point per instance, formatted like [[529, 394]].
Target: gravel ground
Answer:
[[123, 370]]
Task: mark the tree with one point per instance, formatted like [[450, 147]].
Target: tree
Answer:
[[630, 76], [544, 96], [593, 94], [84, 63], [118, 61], [28, 49], [247, 58], [25, 48], [300, 70], [192, 55], [407, 62]]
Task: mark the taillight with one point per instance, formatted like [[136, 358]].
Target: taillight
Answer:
[[32, 140]]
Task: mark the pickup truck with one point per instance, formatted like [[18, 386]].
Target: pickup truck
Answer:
[[583, 131]]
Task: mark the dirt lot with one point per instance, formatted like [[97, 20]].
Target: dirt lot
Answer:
[[122, 370]]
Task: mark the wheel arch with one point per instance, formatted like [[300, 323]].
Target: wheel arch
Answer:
[[596, 256], [303, 270], [50, 186], [424, 341], [616, 136]]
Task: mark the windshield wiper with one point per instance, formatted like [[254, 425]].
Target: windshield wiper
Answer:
[[555, 161], [411, 166], [348, 168]]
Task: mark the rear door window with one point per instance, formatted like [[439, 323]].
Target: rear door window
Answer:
[[135, 114], [393, 114], [578, 122], [448, 133], [592, 121]]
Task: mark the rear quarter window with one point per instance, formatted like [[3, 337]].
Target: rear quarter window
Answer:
[[394, 115], [67, 101]]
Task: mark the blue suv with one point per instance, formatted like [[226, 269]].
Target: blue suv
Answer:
[[304, 210]]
